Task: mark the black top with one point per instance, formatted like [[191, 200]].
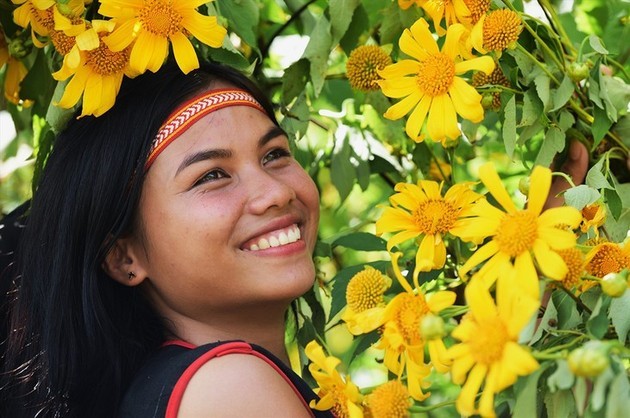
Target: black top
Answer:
[[158, 388]]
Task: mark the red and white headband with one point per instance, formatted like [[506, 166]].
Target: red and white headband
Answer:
[[188, 113]]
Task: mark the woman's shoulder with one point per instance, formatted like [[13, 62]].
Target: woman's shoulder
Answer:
[[241, 380]]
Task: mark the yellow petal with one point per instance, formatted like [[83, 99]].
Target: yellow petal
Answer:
[[425, 255], [204, 28], [398, 87], [424, 38], [466, 401], [461, 366], [481, 304], [403, 107], [92, 94], [74, 89], [437, 353], [160, 52], [453, 35], [527, 278], [557, 238], [88, 40], [550, 262], [442, 119], [466, 100], [489, 177], [401, 237], [485, 64], [565, 215], [476, 35], [417, 117], [184, 53], [521, 362], [440, 300], [403, 282], [540, 184], [122, 37], [109, 92], [401, 69], [479, 256]]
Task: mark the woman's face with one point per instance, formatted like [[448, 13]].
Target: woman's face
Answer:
[[229, 218]]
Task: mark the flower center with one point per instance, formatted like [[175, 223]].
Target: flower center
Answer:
[[160, 18], [389, 400], [488, 341], [574, 259], [62, 42], [365, 290], [104, 61], [408, 316], [500, 29], [477, 9], [337, 392], [435, 216], [363, 64], [44, 17], [436, 74], [517, 233], [608, 259]]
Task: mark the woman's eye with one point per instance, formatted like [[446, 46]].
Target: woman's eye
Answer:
[[212, 175], [275, 154]]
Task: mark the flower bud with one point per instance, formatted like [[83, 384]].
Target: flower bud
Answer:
[[432, 327], [523, 185], [614, 284], [17, 49], [578, 71], [487, 101], [590, 360]]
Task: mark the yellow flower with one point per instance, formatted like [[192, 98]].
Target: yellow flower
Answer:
[[489, 350], [389, 400], [335, 391], [593, 216], [405, 4], [477, 8], [96, 71], [574, 259], [452, 11], [38, 14], [362, 67], [516, 234], [365, 304], [440, 170], [401, 338], [153, 23], [429, 83], [14, 74], [607, 257], [420, 211], [496, 31]]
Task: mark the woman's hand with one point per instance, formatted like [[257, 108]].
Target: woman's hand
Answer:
[[576, 167]]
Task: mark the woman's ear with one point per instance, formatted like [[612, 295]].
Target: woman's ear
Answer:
[[125, 263]]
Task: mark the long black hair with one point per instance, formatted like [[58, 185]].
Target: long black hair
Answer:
[[76, 336]]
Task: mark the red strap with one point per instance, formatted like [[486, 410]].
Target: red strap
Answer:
[[235, 347]]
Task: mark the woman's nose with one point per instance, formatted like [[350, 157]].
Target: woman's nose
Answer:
[[268, 191]]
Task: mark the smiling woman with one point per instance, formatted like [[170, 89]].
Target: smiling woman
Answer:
[[164, 245]]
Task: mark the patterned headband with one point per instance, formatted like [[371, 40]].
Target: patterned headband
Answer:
[[187, 114]]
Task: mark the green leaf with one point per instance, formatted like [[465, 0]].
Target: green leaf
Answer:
[[619, 314], [509, 126], [595, 178], [38, 85], [553, 143], [563, 94], [341, 12], [581, 196], [341, 169], [58, 117], [317, 51], [560, 405], [542, 88], [524, 63], [597, 44], [322, 249], [618, 397], [615, 94], [562, 378], [243, 18], [580, 393], [526, 391], [601, 125], [598, 397], [566, 120], [597, 324], [532, 108], [394, 20], [614, 202], [294, 80], [568, 315], [358, 25], [361, 241], [296, 118]]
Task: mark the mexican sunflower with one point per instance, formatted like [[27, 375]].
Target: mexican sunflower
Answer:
[[365, 302], [517, 234], [429, 84], [401, 338], [420, 211], [153, 23], [336, 392], [489, 351], [96, 71], [14, 74], [452, 11]]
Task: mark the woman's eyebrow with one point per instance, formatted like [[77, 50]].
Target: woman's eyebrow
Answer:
[[272, 133], [203, 156]]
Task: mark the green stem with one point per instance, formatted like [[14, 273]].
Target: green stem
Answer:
[[564, 37], [560, 347], [538, 63], [565, 176], [418, 408], [584, 116], [577, 300]]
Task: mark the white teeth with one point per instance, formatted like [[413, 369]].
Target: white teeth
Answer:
[[277, 238]]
